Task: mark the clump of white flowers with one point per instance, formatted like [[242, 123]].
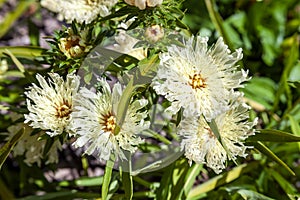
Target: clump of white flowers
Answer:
[[79, 10], [203, 81]]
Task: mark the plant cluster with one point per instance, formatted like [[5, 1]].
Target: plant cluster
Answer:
[[159, 93]]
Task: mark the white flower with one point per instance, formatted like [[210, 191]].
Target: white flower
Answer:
[[95, 122], [199, 79], [142, 4], [74, 45], [201, 144], [32, 147], [80, 10], [51, 104], [154, 33]]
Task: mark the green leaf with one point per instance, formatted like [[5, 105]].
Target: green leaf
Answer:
[[128, 186], [261, 90], [273, 136], [11, 17], [73, 194], [252, 195], [290, 62], [294, 125], [218, 22], [107, 178], [22, 51], [178, 179], [16, 61], [191, 177], [126, 176], [5, 193], [266, 151], [173, 180], [33, 33], [144, 72], [8, 146], [284, 184], [222, 179]]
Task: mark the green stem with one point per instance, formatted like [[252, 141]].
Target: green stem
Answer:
[[107, 178], [142, 182], [218, 22], [159, 137]]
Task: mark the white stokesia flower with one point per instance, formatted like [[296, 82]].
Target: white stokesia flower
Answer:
[[199, 79], [201, 144], [95, 122], [51, 104], [79, 10]]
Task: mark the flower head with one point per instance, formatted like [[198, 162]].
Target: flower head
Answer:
[[203, 144], [80, 10], [96, 125], [199, 79], [51, 104], [73, 45], [154, 33], [142, 4]]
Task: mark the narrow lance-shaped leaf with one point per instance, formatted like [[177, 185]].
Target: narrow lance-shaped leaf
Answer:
[[215, 130], [5, 192], [191, 177], [7, 148], [12, 16], [144, 72], [266, 151], [23, 51], [16, 61], [107, 178], [221, 179], [295, 127], [126, 176], [273, 136], [284, 184]]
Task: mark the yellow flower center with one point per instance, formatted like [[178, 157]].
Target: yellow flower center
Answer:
[[63, 110], [72, 42], [92, 2], [109, 123], [196, 81]]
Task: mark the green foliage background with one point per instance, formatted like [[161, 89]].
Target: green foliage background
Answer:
[[268, 32]]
